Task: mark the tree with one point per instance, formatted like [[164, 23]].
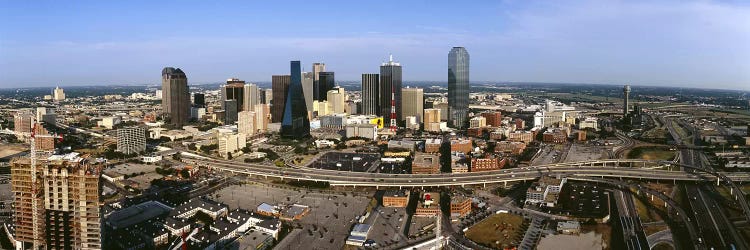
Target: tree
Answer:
[[185, 173], [229, 155], [192, 147], [445, 156]]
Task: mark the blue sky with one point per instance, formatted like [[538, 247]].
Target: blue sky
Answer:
[[662, 43]]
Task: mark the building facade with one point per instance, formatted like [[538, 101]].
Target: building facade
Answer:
[[370, 94], [175, 99], [295, 123], [413, 103], [458, 86], [131, 140], [390, 89], [280, 87]]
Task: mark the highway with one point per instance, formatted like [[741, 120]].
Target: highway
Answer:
[[632, 230]]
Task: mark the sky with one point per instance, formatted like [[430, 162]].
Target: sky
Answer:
[[658, 43]]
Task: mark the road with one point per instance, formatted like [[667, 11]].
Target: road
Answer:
[[630, 221]]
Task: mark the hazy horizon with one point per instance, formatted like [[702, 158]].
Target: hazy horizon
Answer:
[[694, 44]]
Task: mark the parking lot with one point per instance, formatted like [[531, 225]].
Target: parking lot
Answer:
[[326, 226], [388, 226], [582, 200]]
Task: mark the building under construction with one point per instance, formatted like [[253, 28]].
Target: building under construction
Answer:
[[60, 210]]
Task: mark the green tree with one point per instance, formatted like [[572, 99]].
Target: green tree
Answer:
[[185, 173]]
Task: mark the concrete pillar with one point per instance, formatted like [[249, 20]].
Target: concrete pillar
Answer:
[[731, 191], [717, 181], [652, 197], [665, 204], [505, 184], [485, 185]]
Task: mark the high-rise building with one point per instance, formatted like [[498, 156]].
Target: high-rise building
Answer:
[[412, 103], [131, 140], [390, 89], [199, 100], [625, 104], [175, 100], [280, 87], [336, 100], [458, 86], [234, 90], [432, 120], [65, 198], [326, 82], [370, 94], [294, 123], [262, 117], [308, 86], [246, 123], [266, 95], [251, 97], [231, 112], [23, 122], [58, 94], [317, 68], [494, 118]]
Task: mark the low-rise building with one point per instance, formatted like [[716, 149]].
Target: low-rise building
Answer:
[[432, 145], [425, 164], [569, 227], [486, 164], [510, 147], [396, 198], [545, 192], [428, 205], [521, 136], [461, 145], [477, 122], [369, 131], [460, 206]]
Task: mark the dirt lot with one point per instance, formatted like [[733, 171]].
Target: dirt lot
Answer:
[[498, 230]]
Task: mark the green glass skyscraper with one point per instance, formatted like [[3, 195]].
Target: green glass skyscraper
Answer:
[[294, 122], [458, 86]]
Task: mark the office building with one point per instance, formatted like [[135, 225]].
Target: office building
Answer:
[[370, 94], [461, 145], [23, 122], [199, 100], [336, 99], [316, 69], [246, 123], [412, 103], [626, 99], [262, 117], [458, 86], [230, 112], [390, 89], [251, 97], [396, 198], [493, 118], [175, 100], [432, 120], [266, 96], [308, 86], [280, 86], [369, 131], [425, 164], [326, 82], [131, 140], [230, 144], [58, 94], [234, 90], [65, 213], [477, 122], [294, 123]]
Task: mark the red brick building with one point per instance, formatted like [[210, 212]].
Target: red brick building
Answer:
[[494, 119], [486, 164], [461, 145]]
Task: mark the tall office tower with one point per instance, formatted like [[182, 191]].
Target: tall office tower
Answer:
[[626, 93], [58, 94], [175, 99], [413, 103], [262, 117], [390, 88], [432, 120], [231, 112], [295, 123], [251, 97], [317, 68], [131, 140], [234, 90], [326, 82], [337, 100], [246, 123], [199, 100], [458, 86], [308, 80], [280, 87], [370, 94], [66, 194]]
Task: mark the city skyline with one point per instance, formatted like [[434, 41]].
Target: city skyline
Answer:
[[573, 42]]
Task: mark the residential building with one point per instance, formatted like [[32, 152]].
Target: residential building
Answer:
[[175, 100], [131, 140]]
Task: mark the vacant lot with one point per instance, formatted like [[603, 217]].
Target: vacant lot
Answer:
[[498, 231], [651, 153]]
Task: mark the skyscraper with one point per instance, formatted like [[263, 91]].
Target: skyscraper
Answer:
[[199, 100], [458, 86], [231, 112], [326, 82], [58, 94], [251, 97], [280, 87], [336, 100], [390, 88], [317, 68], [234, 90], [175, 99], [246, 122], [294, 123], [626, 94], [370, 94], [308, 86], [413, 103]]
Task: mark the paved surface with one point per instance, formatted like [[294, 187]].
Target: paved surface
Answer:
[[630, 222], [664, 236]]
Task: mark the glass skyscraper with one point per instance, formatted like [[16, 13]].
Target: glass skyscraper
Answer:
[[390, 86], [294, 122], [458, 86]]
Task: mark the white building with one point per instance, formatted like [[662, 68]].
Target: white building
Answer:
[[246, 123], [58, 94], [250, 96], [477, 122], [369, 131], [109, 122], [231, 143], [131, 140], [589, 122], [197, 112]]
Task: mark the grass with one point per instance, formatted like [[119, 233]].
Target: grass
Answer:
[[497, 231], [651, 153], [643, 211]]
